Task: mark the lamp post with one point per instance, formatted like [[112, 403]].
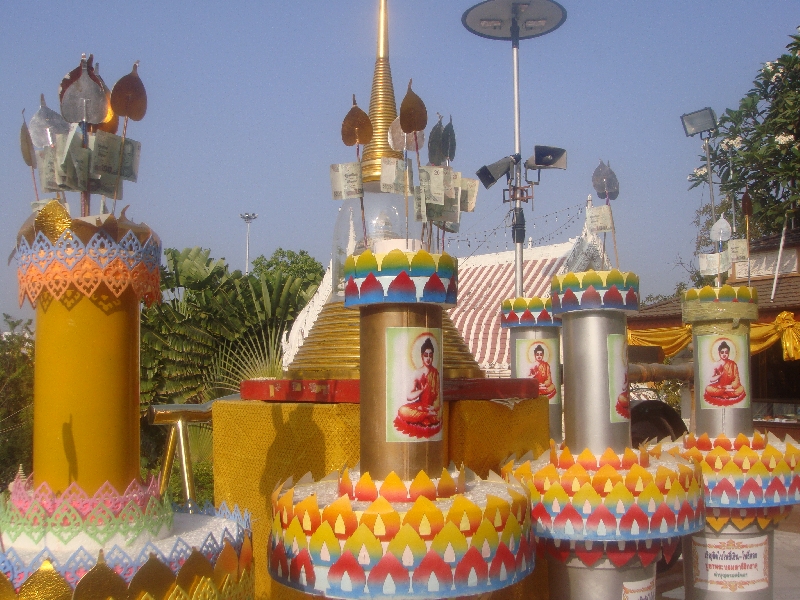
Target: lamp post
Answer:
[[514, 21], [248, 218], [703, 121]]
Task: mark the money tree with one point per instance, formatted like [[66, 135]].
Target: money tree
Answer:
[[756, 147]]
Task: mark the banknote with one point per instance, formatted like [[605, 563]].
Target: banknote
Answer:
[[599, 218], [106, 156], [46, 159], [711, 264], [105, 186], [393, 175], [346, 181], [737, 250], [419, 205], [469, 194], [431, 180]]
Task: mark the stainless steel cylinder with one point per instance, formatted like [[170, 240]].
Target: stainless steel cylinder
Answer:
[[524, 341], [729, 564], [381, 453], [710, 418], [595, 361], [573, 580]]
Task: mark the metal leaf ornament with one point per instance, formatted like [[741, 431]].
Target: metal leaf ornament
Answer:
[[111, 123], [747, 203], [83, 97], [413, 114], [449, 141], [435, 154], [43, 119], [399, 140], [26, 144], [73, 75], [604, 181], [128, 97], [356, 127]]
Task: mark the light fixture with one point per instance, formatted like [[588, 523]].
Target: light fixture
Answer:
[[699, 121], [490, 174]]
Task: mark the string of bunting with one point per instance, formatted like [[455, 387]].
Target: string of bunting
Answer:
[[479, 239]]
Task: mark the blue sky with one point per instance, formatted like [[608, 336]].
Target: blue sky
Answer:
[[246, 99]]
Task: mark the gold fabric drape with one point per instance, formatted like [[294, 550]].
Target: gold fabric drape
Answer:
[[671, 339], [762, 336]]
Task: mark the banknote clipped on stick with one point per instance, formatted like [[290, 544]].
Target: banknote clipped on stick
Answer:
[[468, 194], [106, 156], [711, 264], [420, 213], [393, 176], [599, 219], [431, 180], [346, 181], [738, 250]]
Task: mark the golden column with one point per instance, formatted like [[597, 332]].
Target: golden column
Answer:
[[86, 278]]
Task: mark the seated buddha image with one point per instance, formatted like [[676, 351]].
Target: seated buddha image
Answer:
[[724, 388], [421, 415], [540, 370]]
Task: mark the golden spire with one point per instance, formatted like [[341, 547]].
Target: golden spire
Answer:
[[382, 104]]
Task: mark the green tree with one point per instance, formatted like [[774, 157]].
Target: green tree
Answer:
[[755, 147], [297, 264], [16, 398], [213, 326]]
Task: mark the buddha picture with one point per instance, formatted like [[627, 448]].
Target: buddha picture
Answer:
[[538, 359], [618, 389], [724, 380], [414, 384]]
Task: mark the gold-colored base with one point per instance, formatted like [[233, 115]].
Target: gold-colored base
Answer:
[[258, 445], [332, 348]]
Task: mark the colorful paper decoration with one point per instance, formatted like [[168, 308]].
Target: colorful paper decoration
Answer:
[[82, 256], [528, 312], [469, 543], [726, 293], [402, 277], [751, 473], [726, 302], [614, 497], [225, 560], [592, 290], [31, 518]]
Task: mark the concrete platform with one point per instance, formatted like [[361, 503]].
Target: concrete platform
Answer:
[[669, 585]]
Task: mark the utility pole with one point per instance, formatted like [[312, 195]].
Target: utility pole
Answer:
[[248, 218]]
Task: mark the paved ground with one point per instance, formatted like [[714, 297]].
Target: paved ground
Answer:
[[669, 585]]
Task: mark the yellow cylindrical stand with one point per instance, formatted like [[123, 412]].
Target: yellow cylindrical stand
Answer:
[[86, 390]]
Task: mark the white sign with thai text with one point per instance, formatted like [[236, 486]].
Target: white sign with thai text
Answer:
[[639, 590], [732, 566]]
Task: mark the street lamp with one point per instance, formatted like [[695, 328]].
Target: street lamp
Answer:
[[513, 21], [248, 218], [703, 121]]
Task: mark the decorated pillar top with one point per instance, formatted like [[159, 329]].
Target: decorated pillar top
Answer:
[[726, 303], [56, 253], [400, 277], [593, 290], [528, 312]]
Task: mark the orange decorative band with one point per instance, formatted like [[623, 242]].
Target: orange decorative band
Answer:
[[403, 277], [528, 312], [592, 290], [744, 473], [626, 497], [472, 543], [743, 518], [394, 489], [69, 263]]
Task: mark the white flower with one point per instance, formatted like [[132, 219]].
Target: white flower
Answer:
[[783, 139], [731, 143], [699, 172], [768, 67]]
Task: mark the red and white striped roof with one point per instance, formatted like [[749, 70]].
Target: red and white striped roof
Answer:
[[485, 281]]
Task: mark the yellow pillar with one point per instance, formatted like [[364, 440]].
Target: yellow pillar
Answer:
[[86, 390]]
